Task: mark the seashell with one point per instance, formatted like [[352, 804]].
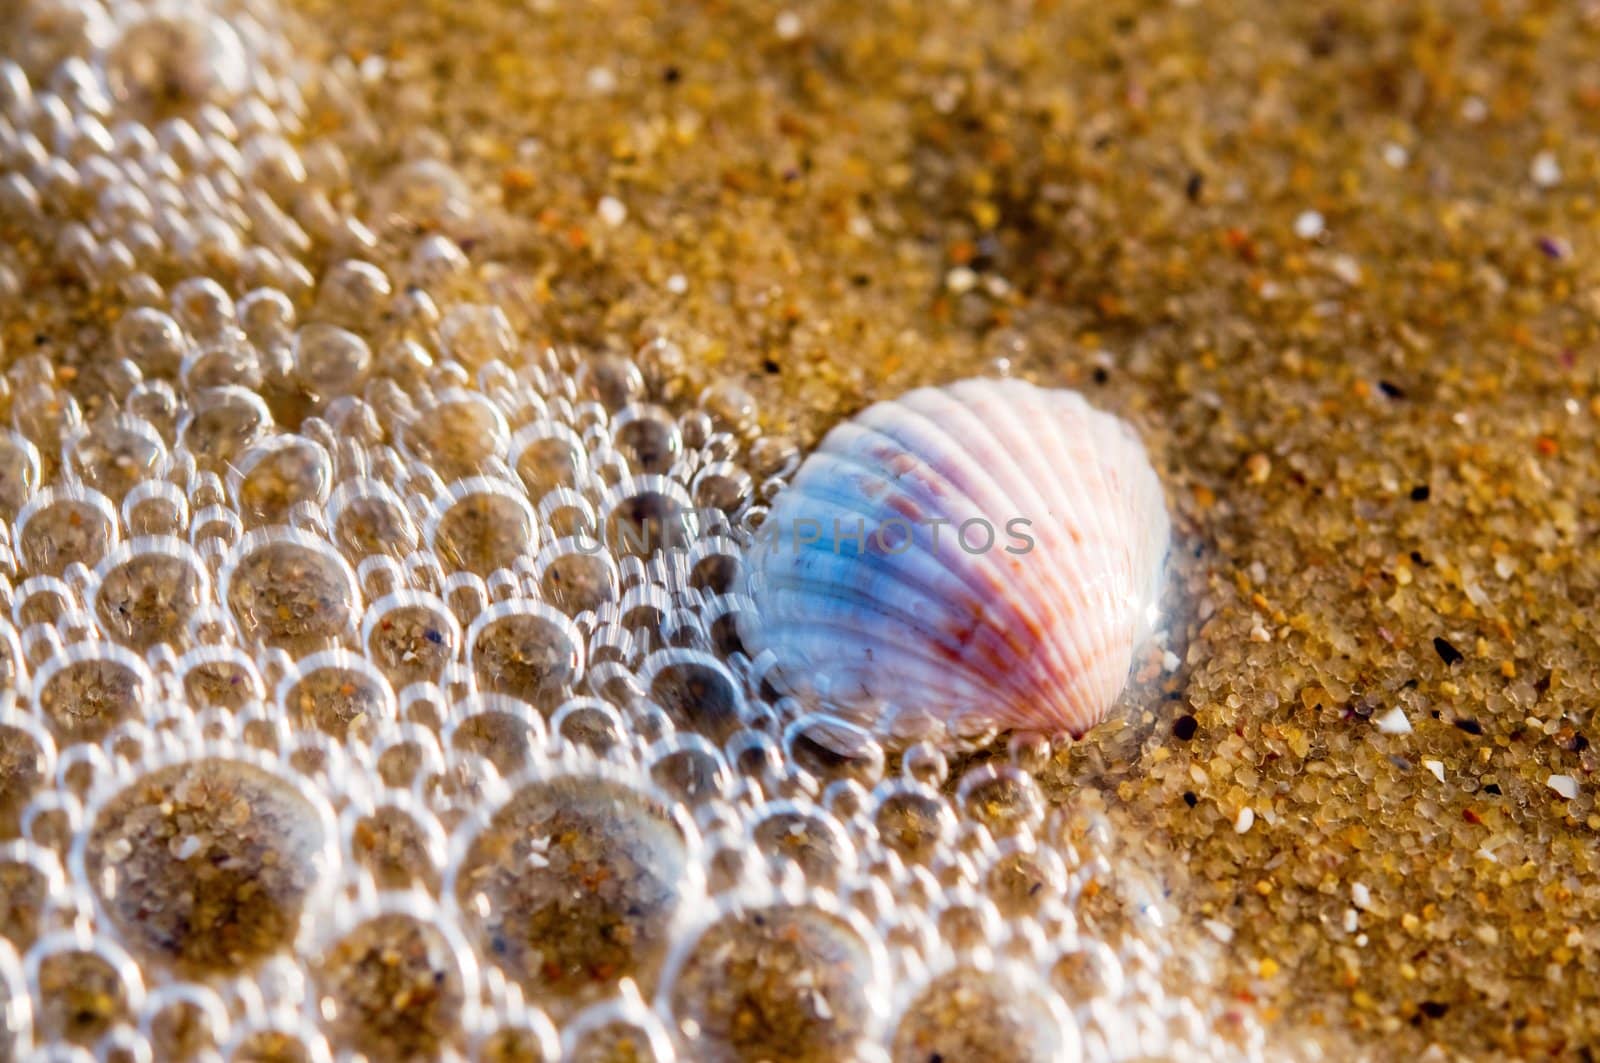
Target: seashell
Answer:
[[978, 557]]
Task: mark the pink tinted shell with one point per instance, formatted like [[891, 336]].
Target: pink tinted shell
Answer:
[[978, 557]]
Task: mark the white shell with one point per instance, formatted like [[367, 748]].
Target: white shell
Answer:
[[948, 633]]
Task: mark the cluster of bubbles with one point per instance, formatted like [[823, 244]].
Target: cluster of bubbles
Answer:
[[372, 677]]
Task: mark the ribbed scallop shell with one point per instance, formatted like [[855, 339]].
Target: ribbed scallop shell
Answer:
[[1036, 639]]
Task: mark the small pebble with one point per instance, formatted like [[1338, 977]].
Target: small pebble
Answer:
[[1347, 269], [1394, 722], [1565, 785], [1309, 225], [960, 280], [1545, 170], [612, 212]]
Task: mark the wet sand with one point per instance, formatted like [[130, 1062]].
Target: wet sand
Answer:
[[1335, 262]]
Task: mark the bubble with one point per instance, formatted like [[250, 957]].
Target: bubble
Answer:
[[411, 636], [501, 730], [547, 455], [289, 589], [830, 748], [457, 434], [722, 485], [518, 1044], [219, 424], [786, 981], [404, 366], [277, 474], [329, 360], [648, 514], [1029, 753], [148, 589], [526, 650], [368, 518], [1002, 798], [715, 565], [45, 415], [151, 340], [353, 294], [274, 1046], [65, 525], [913, 821], [393, 846], [436, 259], [574, 884], [17, 1032], [968, 1015], [758, 763], [12, 669], [267, 317], [426, 194], [689, 768], [731, 407], [155, 403], [696, 690], [19, 472], [221, 677], [575, 577], [168, 61], [590, 724], [1021, 881], [89, 688], [475, 335], [1087, 972], [43, 600], [618, 1041], [356, 426], [205, 865], [966, 922], [925, 763], [400, 763], [719, 626], [569, 515], [200, 304], [483, 524], [339, 693], [24, 767], [810, 838], [392, 987], [115, 453], [81, 996], [774, 456], [218, 365], [187, 1027], [25, 889], [610, 380]]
